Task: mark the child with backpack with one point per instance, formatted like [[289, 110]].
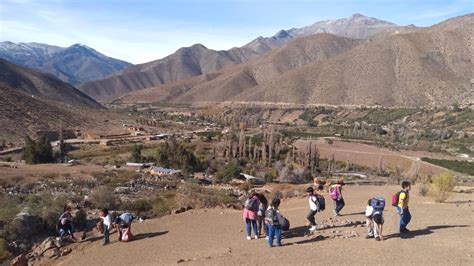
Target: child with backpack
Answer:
[[261, 214], [335, 191], [374, 215], [65, 224], [251, 215], [272, 220], [400, 202], [316, 203]]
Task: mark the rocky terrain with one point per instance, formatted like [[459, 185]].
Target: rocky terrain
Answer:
[[75, 64]]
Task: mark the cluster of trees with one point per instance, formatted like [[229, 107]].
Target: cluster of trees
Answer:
[[39, 151], [176, 155]]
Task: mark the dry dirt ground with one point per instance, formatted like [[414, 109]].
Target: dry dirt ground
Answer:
[[442, 234]]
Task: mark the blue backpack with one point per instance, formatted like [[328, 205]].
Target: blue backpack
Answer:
[[378, 203]]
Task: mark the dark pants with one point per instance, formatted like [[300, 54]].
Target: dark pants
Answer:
[[339, 205], [106, 234], [274, 231], [250, 224], [310, 217], [405, 219], [260, 223]]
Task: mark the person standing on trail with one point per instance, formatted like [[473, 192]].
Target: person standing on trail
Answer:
[[261, 214], [313, 208], [272, 220], [335, 191], [251, 215], [401, 203], [106, 224]]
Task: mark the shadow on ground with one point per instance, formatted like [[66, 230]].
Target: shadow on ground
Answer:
[[421, 232], [149, 235]]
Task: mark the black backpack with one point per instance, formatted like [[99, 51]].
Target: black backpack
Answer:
[[321, 202], [284, 223], [252, 204]]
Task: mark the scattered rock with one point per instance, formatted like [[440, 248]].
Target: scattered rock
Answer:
[[80, 235], [20, 261], [180, 261], [65, 251], [319, 238], [51, 253]]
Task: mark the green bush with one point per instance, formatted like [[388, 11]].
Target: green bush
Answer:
[[4, 254], [441, 185], [80, 219], [104, 197], [230, 171], [458, 166], [164, 203], [139, 207]]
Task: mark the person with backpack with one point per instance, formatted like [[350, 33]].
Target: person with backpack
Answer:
[[65, 224], [374, 215], [251, 215], [335, 191], [123, 225], [400, 202], [261, 214], [106, 218], [273, 219], [316, 203]]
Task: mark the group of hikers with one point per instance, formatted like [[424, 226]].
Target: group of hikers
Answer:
[[259, 214], [122, 223]]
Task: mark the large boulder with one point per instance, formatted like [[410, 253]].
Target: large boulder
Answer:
[[25, 225], [20, 261]]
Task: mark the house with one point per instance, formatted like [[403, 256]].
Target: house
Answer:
[[139, 165], [161, 171]]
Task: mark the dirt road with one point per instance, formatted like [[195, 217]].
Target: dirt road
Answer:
[[442, 234]]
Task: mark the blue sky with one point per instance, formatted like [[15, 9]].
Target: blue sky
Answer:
[[139, 31]]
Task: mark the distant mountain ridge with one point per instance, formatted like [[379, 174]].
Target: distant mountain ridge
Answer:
[[75, 64], [197, 60], [41, 85], [404, 67]]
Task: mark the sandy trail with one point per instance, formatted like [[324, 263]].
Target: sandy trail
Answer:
[[441, 234]]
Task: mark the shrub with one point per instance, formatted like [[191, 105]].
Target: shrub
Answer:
[[104, 197], [163, 204], [4, 254], [39, 151], [441, 185], [423, 190], [80, 219], [138, 207], [229, 172]]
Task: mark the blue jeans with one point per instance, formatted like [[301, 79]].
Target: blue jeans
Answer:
[[339, 205], [250, 224], [106, 234], [274, 231], [405, 218]]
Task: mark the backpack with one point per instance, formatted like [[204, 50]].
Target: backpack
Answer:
[[396, 198], [284, 223], [252, 204], [126, 235], [271, 217], [378, 203], [334, 193], [321, 202]]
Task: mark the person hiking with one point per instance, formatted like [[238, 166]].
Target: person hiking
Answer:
[[123, 225], [261, 214], [106, 218], [335, 191], [375, 220], [401, 203], [272, 220], [65, 224], [250, 215], [313, 208]]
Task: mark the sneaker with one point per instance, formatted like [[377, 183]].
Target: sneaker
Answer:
[[368, 236], [335, 213], [249, 238], [256, 237], [404, 231], [267, 238], [313, 228]]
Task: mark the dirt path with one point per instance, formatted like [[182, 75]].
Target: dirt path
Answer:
[[442, 234]]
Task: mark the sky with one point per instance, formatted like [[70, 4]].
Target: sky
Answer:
[[140, 31]]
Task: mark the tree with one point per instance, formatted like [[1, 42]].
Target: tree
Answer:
[[137, 153], [37, 152]]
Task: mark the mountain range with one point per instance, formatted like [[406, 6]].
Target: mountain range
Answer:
[[398, 67], [75, 64], [198, 60]]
